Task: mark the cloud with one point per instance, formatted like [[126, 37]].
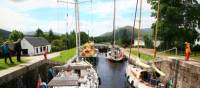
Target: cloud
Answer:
[[26, 5], [10, 19], [14, 16]]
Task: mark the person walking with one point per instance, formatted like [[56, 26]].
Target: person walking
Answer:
[[45, 54], [17, 47], [6, 52], [187, 51]]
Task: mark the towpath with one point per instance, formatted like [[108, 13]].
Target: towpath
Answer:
[[30, 60]]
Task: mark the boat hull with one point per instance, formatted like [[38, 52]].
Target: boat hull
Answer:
[[116, 60], [134, 81]]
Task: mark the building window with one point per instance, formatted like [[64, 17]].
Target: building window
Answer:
[[36, 50], [41, 49]]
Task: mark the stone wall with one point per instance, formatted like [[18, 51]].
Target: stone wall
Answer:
[[28, 76], [185, 74]]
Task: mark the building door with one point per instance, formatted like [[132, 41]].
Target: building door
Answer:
[[44, 48], [25, 51]]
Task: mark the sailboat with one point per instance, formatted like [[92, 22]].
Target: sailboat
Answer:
[[115, 54], [78, 73], [139, 74]]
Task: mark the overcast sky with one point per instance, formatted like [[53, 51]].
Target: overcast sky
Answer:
[[28, 15]]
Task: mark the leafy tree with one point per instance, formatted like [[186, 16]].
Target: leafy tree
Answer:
[[178, 20], [39, 33], [148, 41], [84, 37], [51, 36], [57, 45], [1, 38], [72, 39], [124, 40], [15, 35]]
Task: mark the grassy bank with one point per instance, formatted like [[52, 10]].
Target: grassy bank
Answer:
[[65, 55], [3, 65], [143, 56], [194, 55]]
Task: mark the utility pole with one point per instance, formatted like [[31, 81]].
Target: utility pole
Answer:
[[77, 23]]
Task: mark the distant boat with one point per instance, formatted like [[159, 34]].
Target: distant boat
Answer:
[[115, 55]]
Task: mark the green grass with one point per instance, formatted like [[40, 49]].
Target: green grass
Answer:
[[143, 56], [194, 55], [3, 65], [65, 55]]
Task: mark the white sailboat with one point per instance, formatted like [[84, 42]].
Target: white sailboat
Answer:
[[115, 54], [139, 74], [77, 74]]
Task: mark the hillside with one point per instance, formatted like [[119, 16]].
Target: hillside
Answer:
[[4, 33], [128, 29]]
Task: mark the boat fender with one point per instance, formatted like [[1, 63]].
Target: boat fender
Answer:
[[99, 80], [128, 77], [132, 83]]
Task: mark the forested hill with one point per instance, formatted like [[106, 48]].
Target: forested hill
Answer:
[[120, 31], [123, 35], [4, 33]]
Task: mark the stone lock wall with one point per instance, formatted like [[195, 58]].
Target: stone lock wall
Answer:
[[27, 77], [184, 74]]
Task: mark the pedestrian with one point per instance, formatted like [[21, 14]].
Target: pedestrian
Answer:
[[187, 51], [6, 52], [45, 54], [17, 48]]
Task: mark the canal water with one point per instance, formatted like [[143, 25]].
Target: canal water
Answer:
[[112, 74]]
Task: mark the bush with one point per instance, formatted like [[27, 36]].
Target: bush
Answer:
[[57, 45]]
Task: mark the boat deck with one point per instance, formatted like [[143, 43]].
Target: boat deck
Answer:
[[137, 82]]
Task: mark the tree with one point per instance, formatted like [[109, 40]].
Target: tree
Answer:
[[84, 37], [124, 40], [72, 39], [57, 45], [51, 36], [148, 41], [39, 33], [15, 35], [178, 20]]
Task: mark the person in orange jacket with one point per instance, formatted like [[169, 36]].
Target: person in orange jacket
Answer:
[[187, 51]]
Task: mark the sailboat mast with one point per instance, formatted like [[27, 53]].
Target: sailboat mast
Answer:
[[156, 31], [77, 29], [139, 28], [132, 34], [114, 24], [79, 39]]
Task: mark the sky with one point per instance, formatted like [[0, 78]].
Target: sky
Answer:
[[95, 17]]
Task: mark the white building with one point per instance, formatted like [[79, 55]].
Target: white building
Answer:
[[141, 43], [35, 45], [158, 43], [197, 41]]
